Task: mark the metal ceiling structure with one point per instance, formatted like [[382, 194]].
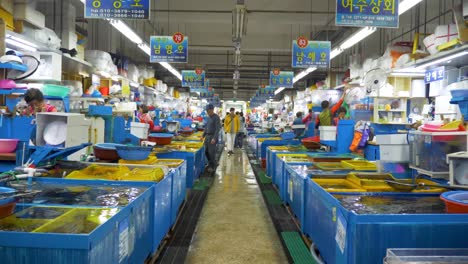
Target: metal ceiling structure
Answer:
[[265, 41]]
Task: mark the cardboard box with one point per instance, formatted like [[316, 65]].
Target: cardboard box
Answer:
[[8, 5]]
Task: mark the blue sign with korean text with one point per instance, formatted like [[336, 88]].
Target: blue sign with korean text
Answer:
[[166, 49], [367, 13], [434, 75], [313, 54], [207, 94], [117, 9], [193, 79], [201, 89], [281, 79]]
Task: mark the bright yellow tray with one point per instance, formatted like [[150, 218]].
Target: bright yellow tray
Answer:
[[338, 185], [361, 165], [149, 161]]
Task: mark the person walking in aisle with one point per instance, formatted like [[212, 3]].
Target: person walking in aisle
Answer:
[[231, 127], [240, 134], [210, 134]]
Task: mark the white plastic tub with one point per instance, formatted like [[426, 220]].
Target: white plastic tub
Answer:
[[327, 133]]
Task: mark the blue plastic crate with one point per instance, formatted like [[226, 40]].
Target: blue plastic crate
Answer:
[[295, 178], [340, 234], [99, 110], [161, 201], [189, 157], [462, 103], [179, 190], [268, 143], [124, 238]]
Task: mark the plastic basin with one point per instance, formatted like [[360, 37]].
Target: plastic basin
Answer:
[[7, 205], [106, 151], [55, 90], [133, 152], [161, 138], [456, 202], [8, 145]]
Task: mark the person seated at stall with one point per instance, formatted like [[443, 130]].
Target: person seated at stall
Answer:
[[341, 113], [298, 122], [145, 117], [325, 117], [36, 104]]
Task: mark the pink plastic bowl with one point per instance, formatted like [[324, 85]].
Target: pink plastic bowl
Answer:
[[8, 145]]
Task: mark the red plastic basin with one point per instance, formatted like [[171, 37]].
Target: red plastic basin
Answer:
[[456, 202]]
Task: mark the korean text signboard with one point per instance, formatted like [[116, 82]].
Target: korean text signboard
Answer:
[[367, 13], [117, 9], [201, 89], [434, 75], [194, 78], [173, 49], [281, 78], [310, 53]]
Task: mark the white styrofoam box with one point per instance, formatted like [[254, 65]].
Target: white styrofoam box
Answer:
[[8, 5], [445, 33], [442, 105], [429, 43], [29, 14], [327, 133], [418, 88], [458, 168], [69, 39], [50, 67], [77, 130], [139, 130], [396, 153], [391, 139]]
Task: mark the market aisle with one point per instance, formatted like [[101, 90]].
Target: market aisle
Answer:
[[235, 226]]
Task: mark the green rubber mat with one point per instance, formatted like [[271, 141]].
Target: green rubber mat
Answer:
[[272, 197], [263, 178], [297, 248], [201, 184]]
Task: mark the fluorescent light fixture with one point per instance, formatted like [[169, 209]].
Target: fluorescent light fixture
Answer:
[[407, 5], [407, 74], [441, 60], [145, 48], [335, 52], [126, 31], [239, 21], [20, 43], [279, 90], [171, 69], [357, 37], [303, 73]]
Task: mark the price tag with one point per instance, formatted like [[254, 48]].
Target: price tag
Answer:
[[340, 236]]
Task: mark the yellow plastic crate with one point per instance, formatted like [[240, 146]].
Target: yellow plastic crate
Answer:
[[98, 172], [338, 185], [8, 18], [268, 139], [278, 147], [327, 166], [13, 223], [143, 174], [171, 163], [149, 161], [361, 165], [78, 221]]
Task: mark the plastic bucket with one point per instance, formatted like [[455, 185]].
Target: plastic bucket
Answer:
[[456, 202], [104, 90]]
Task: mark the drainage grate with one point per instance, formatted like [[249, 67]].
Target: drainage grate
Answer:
[[297, 248], [272, 197]]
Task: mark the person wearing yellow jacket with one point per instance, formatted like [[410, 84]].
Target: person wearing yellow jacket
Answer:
[[231, 127]]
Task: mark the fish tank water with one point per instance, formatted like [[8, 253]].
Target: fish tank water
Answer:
[[426, 256], [381, 204], [428, 150]]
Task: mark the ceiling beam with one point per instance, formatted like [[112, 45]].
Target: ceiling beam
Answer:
[[253, 11]]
